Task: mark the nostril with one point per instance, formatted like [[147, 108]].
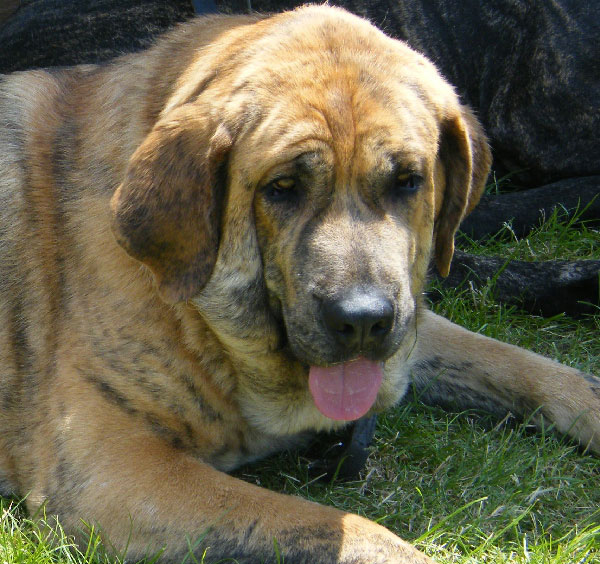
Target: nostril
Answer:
[[346, 329], [340, 323], [381, 328]]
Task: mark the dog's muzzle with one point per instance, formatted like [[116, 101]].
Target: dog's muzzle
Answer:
[[359, 324]]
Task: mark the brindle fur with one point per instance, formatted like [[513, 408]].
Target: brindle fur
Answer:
[[159, 311]]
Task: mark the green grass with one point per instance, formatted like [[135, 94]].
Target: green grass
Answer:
[[464, 487]]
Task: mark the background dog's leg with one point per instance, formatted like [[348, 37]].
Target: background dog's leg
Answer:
[[455, 366], [545, 288]]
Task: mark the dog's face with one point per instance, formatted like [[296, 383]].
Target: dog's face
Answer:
[[344, 214], [322, 164]]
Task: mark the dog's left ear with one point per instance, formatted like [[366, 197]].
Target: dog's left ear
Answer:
[[466, 158], [167, 211]]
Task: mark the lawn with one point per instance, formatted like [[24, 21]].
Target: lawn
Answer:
[[466, 488]]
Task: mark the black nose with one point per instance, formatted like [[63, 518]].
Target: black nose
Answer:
[[360, 319]]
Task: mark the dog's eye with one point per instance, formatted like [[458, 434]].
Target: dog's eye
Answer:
[[281, 190], [406, 183]]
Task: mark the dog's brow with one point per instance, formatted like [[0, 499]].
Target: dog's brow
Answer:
[[307, 161], [403, 160]]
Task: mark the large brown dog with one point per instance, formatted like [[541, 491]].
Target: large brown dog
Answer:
[[218, 245]]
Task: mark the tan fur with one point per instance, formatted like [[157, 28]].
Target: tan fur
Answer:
[[160, 306]]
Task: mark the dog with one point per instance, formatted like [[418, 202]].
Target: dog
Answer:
[[217, 246]]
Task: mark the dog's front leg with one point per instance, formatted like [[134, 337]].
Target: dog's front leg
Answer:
[[145, 496], [455, 366]]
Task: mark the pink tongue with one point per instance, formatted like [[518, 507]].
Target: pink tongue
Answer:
[[345, 391]]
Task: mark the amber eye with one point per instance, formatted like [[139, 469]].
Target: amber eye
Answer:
[[285, 183], [281, 190]]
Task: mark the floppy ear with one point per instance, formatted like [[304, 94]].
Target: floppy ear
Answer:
[[466, 157], [166, 213]]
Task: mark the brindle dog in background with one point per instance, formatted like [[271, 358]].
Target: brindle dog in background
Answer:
[[216, 246]]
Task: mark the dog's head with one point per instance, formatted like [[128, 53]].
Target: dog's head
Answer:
[[294, 189]]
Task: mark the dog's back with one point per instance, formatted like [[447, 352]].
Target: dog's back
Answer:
[[31, 253], [65, 138]]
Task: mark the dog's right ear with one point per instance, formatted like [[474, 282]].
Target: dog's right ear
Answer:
[[167, 211]]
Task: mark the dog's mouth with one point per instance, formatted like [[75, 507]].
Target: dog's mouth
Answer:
[[342, 389], [347, 391]]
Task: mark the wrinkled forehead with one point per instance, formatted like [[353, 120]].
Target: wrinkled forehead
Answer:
[[344, 88], [350, 124]]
